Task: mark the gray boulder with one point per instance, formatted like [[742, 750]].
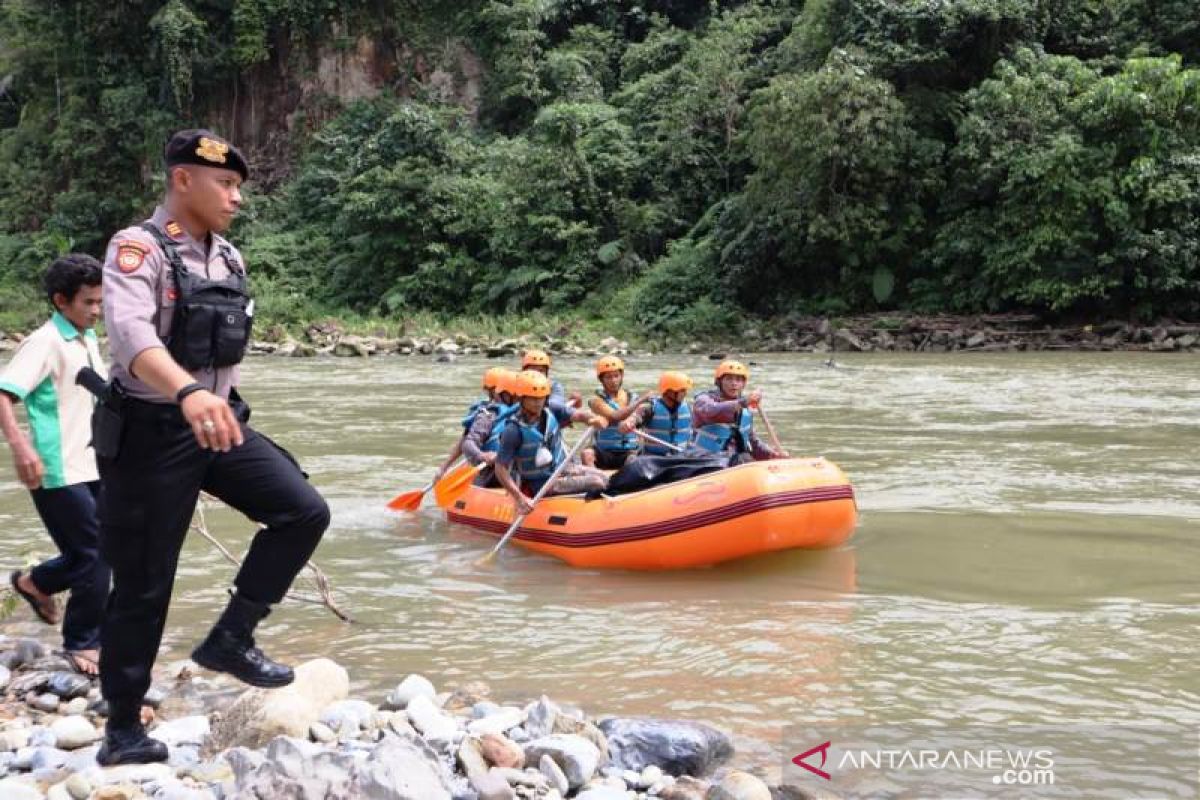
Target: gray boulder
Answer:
[[678, 748], [403, 768], [577, 757]]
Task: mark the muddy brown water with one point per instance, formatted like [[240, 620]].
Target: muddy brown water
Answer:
[[1028, 552]]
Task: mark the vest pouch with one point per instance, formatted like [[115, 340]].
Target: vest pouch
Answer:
[[231, 335], [192, 335]]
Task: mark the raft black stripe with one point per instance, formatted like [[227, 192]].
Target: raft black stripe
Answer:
[[667, 527]]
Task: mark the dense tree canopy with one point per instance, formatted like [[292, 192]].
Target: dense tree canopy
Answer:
[[674, 164]]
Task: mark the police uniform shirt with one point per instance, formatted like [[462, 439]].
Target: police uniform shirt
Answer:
[[140, 296], [42, 375]]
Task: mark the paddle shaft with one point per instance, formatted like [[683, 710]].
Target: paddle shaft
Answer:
[[762, 412], [657, 441], [546, 487]]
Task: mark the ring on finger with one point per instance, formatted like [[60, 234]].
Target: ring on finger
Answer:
[[208, 425]]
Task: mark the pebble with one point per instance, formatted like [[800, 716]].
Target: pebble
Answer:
[[45, 702], [74, 732], [492, 786], [554, 774], [68, 685], [16, 789], [78, 787], [77, 706], [407, 689], [321, 732]]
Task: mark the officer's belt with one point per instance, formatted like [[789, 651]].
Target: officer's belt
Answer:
[[145, 411]]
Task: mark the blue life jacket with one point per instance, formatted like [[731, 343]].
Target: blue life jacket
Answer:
[[473, 412], [715, 436], [670, 426], [609, 439], [532, 440], [501, 415]]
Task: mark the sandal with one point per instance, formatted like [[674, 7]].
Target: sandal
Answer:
[[79, 662], [48, 616]]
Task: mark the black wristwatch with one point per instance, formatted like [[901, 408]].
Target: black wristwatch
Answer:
[[191, 388]]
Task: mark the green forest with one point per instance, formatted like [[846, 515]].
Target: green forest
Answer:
[[673, 166]]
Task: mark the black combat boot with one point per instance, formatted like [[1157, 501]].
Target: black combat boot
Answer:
[[125, 740], [230, 647]]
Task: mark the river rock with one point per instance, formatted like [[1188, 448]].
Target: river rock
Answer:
[[403, 768], [5, 676], [47, 758], [46, 702], [504, 719], [739, 786], [540, 716], [554, 774], [320, 732], [348, 716], [259, 715], [576, 756], [407, 689], [75, 707], [14, 739], [15, 789], [492, 786], [602, 793], [182, 731], [679, 748], [430, 720], [41, 736], [685, 788], [294, 768], [501, 751], [74, 732], [78, 787], [133, 773], [27, 651], [470, 757]]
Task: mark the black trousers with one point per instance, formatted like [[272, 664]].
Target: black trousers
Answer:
[[150, 493], [69, 514]]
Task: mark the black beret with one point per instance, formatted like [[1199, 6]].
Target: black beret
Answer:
[[205, 148]]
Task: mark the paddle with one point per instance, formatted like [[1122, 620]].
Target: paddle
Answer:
[[583, 440], [656, 440], [411, 501], [452, 487], [762, 412]]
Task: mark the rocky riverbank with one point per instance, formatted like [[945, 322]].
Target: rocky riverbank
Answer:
[[795, 335], [862, 334], [312, 741]]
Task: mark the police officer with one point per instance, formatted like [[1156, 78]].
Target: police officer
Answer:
[[178, 317]]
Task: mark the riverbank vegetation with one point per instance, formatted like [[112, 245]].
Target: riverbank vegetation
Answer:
[[664, 167]]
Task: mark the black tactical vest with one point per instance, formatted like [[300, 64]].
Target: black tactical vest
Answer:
[[211, 327]]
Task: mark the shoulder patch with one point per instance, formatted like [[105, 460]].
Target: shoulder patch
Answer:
[[130, 255]]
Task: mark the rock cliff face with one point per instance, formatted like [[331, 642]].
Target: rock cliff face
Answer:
[[270, 106]]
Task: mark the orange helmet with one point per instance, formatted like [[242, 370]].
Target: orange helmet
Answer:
[[535, 358], [506, 381], [491, 378], [730, 367], [609, 364], [672, 381], [532, 384]]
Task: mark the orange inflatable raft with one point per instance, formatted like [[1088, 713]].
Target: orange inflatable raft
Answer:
[[754, 508]]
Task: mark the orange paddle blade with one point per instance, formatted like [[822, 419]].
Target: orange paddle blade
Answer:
[[455, 484], [409, 501]]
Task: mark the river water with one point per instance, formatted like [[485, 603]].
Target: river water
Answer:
[[1028, 552]]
